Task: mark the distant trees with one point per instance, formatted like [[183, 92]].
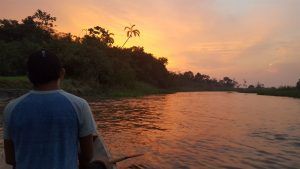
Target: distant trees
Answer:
[[251, 87], [130, 32], [228, 83], [201, 77], [298, 84], [257, 86], [244, 83], [189, 75], [200, 81], [260, 85]]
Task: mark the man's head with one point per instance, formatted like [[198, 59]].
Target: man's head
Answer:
[[44, 67]]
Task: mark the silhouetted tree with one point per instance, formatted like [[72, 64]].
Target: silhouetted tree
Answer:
[[244, 83], [100, 33], [189, 75], [298, 84], [260, 85], [251, 87], [163, 60], [44, 20], [228, 83], [106, 37]]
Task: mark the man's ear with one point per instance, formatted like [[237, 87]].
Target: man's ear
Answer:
[[62, 74]]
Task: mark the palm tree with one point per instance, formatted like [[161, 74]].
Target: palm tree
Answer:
[[130, 33]]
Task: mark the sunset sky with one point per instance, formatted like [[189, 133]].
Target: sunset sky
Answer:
[[255, 40]]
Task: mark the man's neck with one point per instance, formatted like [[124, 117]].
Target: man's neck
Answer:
[[49, 86]]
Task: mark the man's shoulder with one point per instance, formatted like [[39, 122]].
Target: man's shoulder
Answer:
[[73, 98], [13, 103]]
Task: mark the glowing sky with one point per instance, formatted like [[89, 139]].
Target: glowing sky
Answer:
[[256, 40]]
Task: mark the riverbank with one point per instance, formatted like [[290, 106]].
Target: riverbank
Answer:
[[15, 86], [282, 91]]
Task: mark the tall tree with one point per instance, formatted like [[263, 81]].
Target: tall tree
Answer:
[[44, 20], [102, 34], [229, 83], [130, 33], [106, 37]]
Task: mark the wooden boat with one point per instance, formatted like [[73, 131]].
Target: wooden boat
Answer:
[[101, 153]]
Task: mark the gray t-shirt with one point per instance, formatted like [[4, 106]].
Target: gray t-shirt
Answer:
[[45, 127]]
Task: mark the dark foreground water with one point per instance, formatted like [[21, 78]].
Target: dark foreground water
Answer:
[[202, 130]]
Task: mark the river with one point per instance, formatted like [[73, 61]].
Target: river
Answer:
[[202, 130]]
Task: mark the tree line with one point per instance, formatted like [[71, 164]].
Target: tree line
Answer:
[[93, 58]]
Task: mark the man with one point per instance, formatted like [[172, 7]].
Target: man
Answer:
[[42, 129]]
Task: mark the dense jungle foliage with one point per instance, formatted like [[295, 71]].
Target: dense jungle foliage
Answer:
[[93, 59]]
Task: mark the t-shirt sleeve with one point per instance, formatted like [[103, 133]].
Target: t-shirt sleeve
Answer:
[[87, 123], [6, 119]]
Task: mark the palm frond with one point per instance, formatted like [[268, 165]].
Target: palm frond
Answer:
[[136, 32], [128, 34]]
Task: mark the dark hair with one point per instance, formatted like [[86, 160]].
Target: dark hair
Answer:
[[43, 67]]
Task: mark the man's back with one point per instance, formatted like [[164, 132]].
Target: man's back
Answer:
[[45, 127]]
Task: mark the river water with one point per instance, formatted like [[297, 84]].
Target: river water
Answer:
[[202, 130]]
